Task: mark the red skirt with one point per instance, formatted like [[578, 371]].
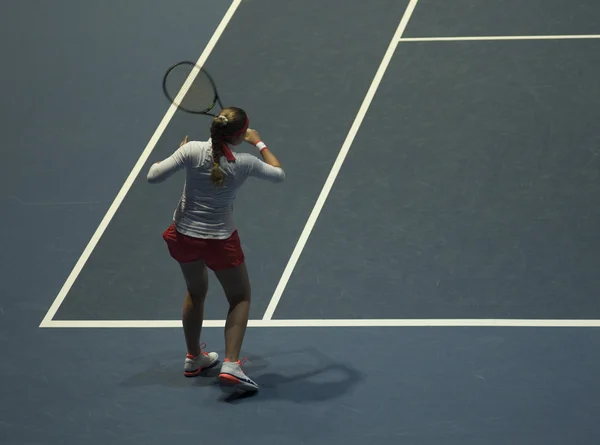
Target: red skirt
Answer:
[[218, 254]]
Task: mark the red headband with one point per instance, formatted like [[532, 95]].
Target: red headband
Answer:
[[226, 151]]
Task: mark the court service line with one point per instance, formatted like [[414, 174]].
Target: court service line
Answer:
[[493, 38], [330, 323], [136, 170], [312, 219]]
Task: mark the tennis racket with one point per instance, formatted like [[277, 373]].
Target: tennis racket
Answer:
[[191, 89]]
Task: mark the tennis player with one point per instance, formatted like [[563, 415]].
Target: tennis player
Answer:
[[203, 234]]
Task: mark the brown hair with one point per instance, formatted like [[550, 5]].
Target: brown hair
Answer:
[[229, 121]]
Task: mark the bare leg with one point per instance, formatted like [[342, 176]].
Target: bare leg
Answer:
[[196, 278], [236, 285]]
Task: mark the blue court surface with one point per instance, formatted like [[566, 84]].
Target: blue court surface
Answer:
[[427, 274]]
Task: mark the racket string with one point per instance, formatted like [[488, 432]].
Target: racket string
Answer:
[[190, 88]]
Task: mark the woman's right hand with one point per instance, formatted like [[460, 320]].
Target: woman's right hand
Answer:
[[252, 136]]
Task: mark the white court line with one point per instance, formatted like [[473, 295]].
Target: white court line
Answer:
[[312, 219], [493, 38], [328, 323], [135, 172]]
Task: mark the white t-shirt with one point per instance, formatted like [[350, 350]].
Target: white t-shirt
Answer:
[[205, 210]]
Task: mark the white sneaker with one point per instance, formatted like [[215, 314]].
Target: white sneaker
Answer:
[[232, 375], [195, 365]]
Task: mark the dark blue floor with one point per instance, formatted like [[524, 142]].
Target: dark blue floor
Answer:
[[439, 18], [427, 386], [481, 197], [469, 192]]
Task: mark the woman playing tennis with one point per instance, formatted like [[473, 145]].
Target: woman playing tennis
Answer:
[[203, 234]]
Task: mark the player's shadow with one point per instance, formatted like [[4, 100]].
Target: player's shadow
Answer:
[[321, 382], [299, 387]]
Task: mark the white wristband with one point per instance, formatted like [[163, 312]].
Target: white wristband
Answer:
[[260, 145]]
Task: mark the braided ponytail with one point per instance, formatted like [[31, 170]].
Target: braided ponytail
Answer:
[[216, 134], [230, 124]]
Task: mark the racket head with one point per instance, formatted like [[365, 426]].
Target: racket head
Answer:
[[191, 89]]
